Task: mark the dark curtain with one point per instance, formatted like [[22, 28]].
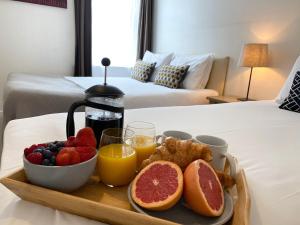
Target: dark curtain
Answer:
[[145, 28], [83, 27]]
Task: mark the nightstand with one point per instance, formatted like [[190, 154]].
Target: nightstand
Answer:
[[222, 99]]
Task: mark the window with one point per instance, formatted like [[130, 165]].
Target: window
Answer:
[[114, 31]]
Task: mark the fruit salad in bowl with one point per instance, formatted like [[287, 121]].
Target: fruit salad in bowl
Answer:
[[62, 165]]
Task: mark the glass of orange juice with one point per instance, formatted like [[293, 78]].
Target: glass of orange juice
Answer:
[[116, 158], [144, 139]]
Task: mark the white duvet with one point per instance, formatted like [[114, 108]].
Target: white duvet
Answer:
[[28, 95], [265, 140], [146, 95]]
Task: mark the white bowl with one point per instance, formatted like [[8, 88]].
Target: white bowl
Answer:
[[61, 178]]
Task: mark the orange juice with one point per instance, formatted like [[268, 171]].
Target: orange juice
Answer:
[[116, 164], [144, 147]]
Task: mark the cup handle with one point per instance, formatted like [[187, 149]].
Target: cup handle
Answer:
[[157, 137], [232, 164]]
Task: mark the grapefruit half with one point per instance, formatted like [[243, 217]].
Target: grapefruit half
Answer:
[[202, 189], [158, 186]]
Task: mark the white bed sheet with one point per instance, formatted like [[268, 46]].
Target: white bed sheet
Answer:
[[264, 138], [146, 95]]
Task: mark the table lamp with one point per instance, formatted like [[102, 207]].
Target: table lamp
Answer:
[[253, 55]]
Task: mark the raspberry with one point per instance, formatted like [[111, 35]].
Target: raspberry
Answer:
[[27, 151], [33, 146], [35, 158]]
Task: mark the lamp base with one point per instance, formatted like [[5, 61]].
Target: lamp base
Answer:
[[245, 99]]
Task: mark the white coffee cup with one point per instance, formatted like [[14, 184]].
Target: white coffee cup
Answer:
[[174, 133], [219, 148]]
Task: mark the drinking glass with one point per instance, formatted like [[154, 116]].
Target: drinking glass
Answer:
[[144, 139], [117, 159]]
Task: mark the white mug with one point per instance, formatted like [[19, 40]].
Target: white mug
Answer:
[[174, 133], [219, 152]]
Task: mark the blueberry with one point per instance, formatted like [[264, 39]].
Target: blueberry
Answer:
[[52, 147], [46, 162], [47, 154], [53, 160], [60, 144]]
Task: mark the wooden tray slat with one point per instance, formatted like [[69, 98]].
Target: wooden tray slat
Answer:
[[242, 205], [109, 205]]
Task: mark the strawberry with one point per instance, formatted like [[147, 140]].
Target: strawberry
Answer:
[[67, 156], [63, 159], [86, 153], [86, 137], [35, 158], [70, 142]]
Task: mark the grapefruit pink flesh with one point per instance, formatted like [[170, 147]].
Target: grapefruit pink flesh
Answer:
[[210, 187], [158, 186], [157, 183], [202, 189]]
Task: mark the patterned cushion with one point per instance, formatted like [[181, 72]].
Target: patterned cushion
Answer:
[[142, 71], [292, 102], [171, 76]]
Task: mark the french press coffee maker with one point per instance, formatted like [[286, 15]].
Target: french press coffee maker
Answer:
[[104, 107]]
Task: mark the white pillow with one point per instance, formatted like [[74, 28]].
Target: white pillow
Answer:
[[285, 90], [160, 59], [199, 71]]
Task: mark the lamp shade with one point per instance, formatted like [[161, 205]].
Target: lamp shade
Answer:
[[254, 55]]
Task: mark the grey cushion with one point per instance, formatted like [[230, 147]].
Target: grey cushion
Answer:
[[171, 76], [142, 71]]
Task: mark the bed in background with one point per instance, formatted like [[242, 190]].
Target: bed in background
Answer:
[[33, 95]]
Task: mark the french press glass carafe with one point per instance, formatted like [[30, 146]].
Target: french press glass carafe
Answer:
[[104, 108]]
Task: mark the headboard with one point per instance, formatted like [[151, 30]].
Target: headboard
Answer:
[[218, 74]]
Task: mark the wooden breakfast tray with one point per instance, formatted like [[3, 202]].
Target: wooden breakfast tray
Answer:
[[109, 205]]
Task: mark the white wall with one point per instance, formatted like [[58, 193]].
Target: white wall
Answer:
[[223, 26], [35, 39]]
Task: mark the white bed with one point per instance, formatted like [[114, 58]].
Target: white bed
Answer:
[[264, 138], [147, 95], [33, 95]]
